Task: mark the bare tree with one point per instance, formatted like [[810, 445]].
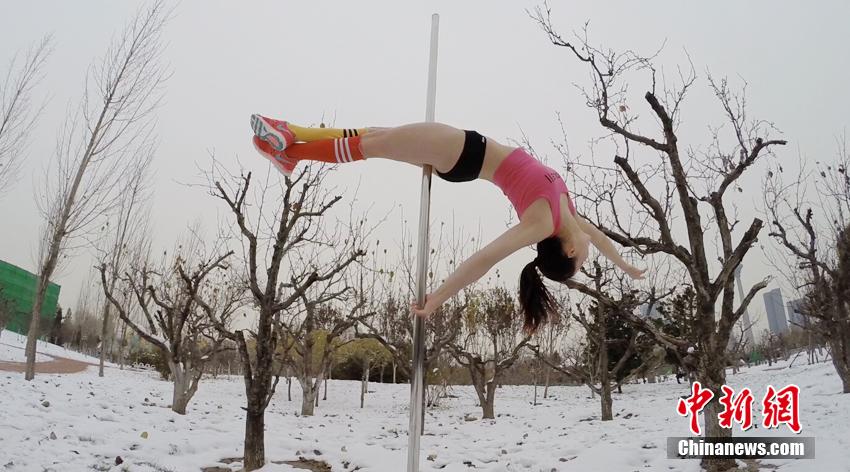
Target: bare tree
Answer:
[[315, 335], [678, 316], [126, 229], [278, 272], [739, 346], [100, 141], [813, 227], [637, 218], [18, 114], [367, 353], [551, 336], [490, 341], [608, 356], [391, 327], [56, 329], [80, 324], [177, 298], [329, 310]]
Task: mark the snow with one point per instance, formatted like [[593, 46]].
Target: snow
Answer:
[[12, 349], [94, 419]]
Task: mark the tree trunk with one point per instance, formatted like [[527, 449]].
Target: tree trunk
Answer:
[[32, 334], [179, 400], [368, 371], [604, 379], [289, 388], [483, 389], [712, 375], [382, 372], [488, 407], [330, 372], [258, 388], [394, 370], [307, 376], [103, 327], [308, 400], [547, 375], [534, 379], [184, 389], [840, 348], [606, 402], [122, 353], [364, 382], [318, 386], [255, 432]]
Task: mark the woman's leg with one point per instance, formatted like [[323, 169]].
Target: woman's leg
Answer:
[[282, 134], [314, 134], [435, 144], [421, 143]]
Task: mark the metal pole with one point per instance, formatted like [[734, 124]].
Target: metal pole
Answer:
[[417, 387]]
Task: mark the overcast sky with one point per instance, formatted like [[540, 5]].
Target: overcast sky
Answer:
[[364, 63]]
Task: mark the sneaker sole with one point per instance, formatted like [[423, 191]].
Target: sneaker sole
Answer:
[[267, 133]]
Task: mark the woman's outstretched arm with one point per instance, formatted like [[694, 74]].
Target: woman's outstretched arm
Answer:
[[473, 268], [606, 247]]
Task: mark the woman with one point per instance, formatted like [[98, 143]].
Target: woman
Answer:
[[546, 212]]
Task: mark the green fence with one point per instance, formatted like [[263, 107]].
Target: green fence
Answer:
[[18, 287]]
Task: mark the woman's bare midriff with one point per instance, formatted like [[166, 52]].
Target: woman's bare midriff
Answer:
[[493, 157]]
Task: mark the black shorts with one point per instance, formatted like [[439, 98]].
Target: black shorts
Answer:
[[471, 159]]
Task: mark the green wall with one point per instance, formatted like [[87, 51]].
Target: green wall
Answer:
[[18, 286]]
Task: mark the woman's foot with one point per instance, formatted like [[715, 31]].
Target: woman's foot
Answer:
[[284, 164], [274, 132]]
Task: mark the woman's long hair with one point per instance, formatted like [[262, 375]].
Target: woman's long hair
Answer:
[[534, 298]]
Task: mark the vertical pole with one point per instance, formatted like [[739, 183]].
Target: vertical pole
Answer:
[[417, 387], [748, 327]]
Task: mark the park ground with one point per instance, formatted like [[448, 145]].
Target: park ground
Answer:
[[80, 422]]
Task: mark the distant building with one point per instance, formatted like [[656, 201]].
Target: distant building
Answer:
[[653, 314], [796, 317], [17, 293], [776, 320]]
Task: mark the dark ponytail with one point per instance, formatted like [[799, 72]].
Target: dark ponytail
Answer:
[[534, 298]]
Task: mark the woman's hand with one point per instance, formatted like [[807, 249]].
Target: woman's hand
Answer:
[[425, 311], [635, 272]]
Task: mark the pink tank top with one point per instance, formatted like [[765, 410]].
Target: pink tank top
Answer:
[[524, 179]]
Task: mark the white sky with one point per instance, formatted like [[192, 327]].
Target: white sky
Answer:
[[364, 63]]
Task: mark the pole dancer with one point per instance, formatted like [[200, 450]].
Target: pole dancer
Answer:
[[547, 215]]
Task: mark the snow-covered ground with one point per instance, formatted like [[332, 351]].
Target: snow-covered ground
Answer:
[[91, 420], [12, 349]]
